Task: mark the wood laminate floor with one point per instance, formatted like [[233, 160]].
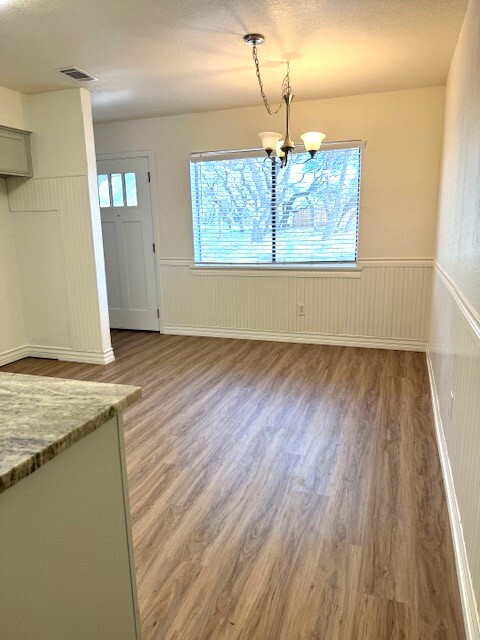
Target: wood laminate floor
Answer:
[[281, 491]]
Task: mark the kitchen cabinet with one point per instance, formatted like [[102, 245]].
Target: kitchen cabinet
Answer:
[[15, 155]]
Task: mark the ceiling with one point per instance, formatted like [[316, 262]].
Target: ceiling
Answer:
[[158, 57]]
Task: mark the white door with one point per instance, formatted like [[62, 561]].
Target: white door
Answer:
[[128, 243]]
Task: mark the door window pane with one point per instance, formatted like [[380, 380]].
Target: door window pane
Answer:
[[131, 189], [117, 190], [104, 191]]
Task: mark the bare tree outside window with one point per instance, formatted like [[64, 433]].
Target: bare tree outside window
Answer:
[[315, 215]]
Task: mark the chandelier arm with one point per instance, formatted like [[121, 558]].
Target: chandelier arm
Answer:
[[285, 84]]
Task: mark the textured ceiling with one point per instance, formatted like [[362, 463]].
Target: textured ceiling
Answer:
[[156, 57]]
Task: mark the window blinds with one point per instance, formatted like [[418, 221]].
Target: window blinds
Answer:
[[248, 211]]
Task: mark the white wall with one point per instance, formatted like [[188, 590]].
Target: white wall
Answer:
[[400, 163], [397, 222], [455, 319], [14, 110], [56, 232]]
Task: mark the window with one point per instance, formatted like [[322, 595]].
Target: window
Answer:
[[244, 212], [117, 190]]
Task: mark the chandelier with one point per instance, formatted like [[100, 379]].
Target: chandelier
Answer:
[[275, 143]]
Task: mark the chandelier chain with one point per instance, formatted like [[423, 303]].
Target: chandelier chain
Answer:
[[285, 84]]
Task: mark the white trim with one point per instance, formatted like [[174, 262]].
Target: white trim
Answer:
[[156, 232], [108, 356], [333, 270], [12, 355], [467, 594], [400, 262], [471, 315], [69, 355], [308, 338], [56, 353], [395, 262]]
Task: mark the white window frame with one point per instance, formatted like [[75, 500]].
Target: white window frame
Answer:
[[325, 269]]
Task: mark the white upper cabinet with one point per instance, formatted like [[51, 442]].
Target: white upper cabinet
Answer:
[[15, 156]]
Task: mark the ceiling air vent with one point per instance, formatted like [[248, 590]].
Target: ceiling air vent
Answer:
[[76, 74]]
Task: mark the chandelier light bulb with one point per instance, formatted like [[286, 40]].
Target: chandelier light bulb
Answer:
[[269, 140], [312, 141]]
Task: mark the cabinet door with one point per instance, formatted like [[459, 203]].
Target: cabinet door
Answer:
[[15, 159]]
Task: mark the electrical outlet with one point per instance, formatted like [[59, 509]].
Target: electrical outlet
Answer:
[[300, 309], [450, 406]]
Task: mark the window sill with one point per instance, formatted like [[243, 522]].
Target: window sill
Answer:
[[333, 270]]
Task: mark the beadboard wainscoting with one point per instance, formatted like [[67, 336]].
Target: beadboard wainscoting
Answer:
[[60, 278], [384, 305], [454, 367]]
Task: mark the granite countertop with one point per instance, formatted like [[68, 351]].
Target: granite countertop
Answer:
[[41, 417]]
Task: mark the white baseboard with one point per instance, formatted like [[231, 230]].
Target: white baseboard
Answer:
[[108, 356], [56, 353], [6, 357], [69, 355], [308, 338], [467, 594]]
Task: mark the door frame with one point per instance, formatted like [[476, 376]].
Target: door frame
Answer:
[[150, 157]]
